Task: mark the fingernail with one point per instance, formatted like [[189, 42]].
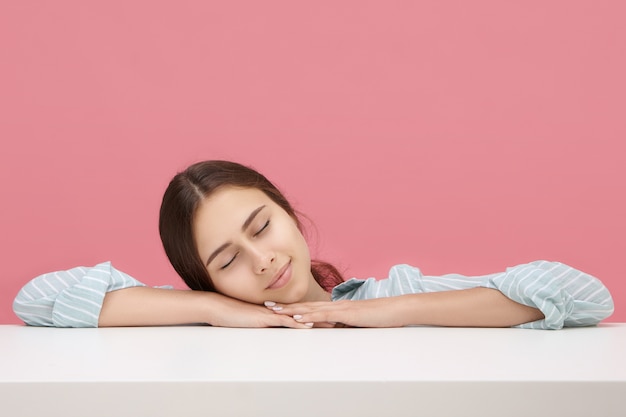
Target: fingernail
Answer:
[[297, 317], [308, 324], [269, 304], [277, 308]]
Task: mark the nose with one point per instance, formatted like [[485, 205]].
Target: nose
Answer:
[[263, 260]]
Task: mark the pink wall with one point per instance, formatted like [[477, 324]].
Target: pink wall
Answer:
[[456, 136]]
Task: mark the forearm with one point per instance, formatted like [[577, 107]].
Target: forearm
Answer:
[[145, 306], [476, 307]]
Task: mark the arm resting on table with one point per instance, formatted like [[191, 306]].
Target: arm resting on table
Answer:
[[475, 307]]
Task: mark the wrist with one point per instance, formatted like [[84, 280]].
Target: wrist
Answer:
[[207, 305]]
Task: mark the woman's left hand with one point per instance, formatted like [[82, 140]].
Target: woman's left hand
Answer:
[[380, 312]]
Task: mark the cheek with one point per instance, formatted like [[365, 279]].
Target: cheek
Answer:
[[233, 281], [297, 238], [303, 245]]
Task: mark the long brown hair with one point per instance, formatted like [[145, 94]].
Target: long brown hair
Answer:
[[178, 208]]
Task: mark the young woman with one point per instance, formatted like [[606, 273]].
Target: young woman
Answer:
[[234, 239]]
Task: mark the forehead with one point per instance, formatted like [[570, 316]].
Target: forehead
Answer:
[[225, 211]]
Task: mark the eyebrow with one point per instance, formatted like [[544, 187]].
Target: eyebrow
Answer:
[[245, 225]]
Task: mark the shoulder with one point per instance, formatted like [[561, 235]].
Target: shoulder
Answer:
[[402, 279]]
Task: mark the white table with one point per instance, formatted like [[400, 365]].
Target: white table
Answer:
[[418, 371]]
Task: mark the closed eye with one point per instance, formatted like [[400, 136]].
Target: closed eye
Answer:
[[265, 226], [267, 223], [229, 262]]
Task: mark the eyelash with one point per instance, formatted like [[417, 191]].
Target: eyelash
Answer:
[[261, 230], [267, 223]]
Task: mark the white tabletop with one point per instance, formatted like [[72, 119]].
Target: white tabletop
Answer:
[[201, 370]]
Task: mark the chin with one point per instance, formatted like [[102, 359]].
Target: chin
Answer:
[[295, 294]]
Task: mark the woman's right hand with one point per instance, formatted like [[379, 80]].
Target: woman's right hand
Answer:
[[228, 312]]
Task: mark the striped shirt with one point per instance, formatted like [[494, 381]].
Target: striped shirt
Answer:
[[567, 297]]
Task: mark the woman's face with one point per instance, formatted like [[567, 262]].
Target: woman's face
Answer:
[[252, 248]]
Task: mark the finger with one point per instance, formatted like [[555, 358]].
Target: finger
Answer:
[[288, 309], [299, 316], [300, 308], [302, 319], [315, 317], [320, 310], [286, 321], [296, 306], [273, 306]]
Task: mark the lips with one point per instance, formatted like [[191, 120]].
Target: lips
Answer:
[[282, 277]]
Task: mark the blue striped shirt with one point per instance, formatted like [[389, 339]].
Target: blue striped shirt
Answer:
[[567, 297]]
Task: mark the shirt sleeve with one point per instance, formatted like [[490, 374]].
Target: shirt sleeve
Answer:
[[70, 298], [566, 296]]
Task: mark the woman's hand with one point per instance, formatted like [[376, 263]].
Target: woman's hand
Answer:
[[228, 312], [380, 312]]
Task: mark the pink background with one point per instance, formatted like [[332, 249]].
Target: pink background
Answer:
[[455, 136]]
